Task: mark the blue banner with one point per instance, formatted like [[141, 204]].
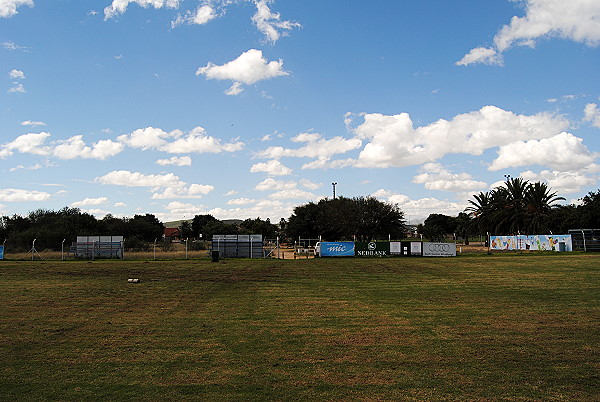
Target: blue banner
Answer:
[[1, 252], [337, 249]]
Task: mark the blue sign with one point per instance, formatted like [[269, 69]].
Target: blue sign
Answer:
[[337, 249], [1, 252]]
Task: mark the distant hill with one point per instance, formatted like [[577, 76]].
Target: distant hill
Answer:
[[176, 224]]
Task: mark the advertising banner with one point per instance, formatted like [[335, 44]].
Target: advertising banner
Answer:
[[439, 249], [1, 252], [372, 249], [395, 247], [337, 249], [415, 248], [532, 242]]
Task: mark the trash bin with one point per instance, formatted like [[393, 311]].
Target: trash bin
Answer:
[[215, 256]]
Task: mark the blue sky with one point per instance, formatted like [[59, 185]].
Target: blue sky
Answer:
[[246, 108]]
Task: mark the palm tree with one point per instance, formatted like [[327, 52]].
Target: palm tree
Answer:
[[539, 202]]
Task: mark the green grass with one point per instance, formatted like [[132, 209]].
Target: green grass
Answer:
[[521, 327]]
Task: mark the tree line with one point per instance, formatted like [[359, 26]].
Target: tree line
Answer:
[[517, 206]]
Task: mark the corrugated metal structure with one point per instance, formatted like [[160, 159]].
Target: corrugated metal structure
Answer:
[[238, 246], [98, 247], [585, 239]]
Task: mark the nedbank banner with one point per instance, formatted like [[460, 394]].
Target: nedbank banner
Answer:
[[372, 249], [337, 249], [439, 249]]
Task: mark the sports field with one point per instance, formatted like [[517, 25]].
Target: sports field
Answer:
[[524, 326]]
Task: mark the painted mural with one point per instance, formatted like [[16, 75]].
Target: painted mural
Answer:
[[532, 242]]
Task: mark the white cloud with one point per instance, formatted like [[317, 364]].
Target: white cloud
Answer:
[[33, 123], [392, 140], [8, 8], [230, 193], [272, 168], [310, 185], [120, 6], [165, 186], [272, 209], [75, 147], [562, 152], [182, 209], [90, 201], [436, 177], [202, 15], [249, 68], [294, 194], [481, 55], [37, 166], [120, 204], [272, 184], [32, 143], [561, 182], [176, 161], [575, 20], [270, 23], [18, 88], [12, 45], [592, 114], [17, 195], [235, 89], [421, 208], [315, 147], [195, 141], [16, 75], [241, 201]]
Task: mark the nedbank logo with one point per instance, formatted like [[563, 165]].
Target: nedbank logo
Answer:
[[372, 246]]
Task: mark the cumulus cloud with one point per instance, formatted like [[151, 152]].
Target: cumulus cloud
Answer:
[[592, 114], [202, 15], [250, 67], [32, 123], [120, 6], [90, 201], [163, 186], [17, 88], [310, 185], [18, 195], [315, 146], [176, 141], [435, 177], [241, 201], [272, 168], [563, 152], [8, 8], [175, 161], [270, 23], [561, 182], [481, 55], [421, 208], [272, 184], [576, 20], [75, 147], [393, 141], [294, 194], [16, 75]]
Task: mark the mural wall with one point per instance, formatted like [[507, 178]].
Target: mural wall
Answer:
[[532, 242]]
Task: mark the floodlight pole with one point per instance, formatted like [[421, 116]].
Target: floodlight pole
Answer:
[[334, 184], [33, 249], [155, 249], [62, 250], [186, 248]]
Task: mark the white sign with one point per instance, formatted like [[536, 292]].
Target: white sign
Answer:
[[439, 249]]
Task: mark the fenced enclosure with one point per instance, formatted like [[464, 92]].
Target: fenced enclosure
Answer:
[[238, 246], [97, 247]]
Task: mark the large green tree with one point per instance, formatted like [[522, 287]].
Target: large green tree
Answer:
[[363, 218]]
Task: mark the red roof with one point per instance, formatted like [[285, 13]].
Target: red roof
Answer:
[[171, 232]]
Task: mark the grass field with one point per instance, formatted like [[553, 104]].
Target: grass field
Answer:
[[523, 327]]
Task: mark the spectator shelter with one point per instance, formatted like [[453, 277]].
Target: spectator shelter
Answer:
[[98, 247]]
